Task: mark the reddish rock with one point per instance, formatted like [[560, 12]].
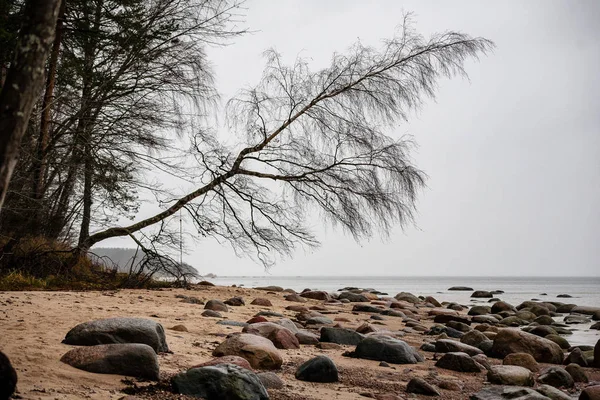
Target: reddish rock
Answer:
[[239, 361], [281, 337], [366, 328], [590, 393], [259, 351], [255, 320]]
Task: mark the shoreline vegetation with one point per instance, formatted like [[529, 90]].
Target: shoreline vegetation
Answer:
[[349, 344]]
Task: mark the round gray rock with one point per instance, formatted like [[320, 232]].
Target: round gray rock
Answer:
[[220, 382], [119, 330], [384, 348]]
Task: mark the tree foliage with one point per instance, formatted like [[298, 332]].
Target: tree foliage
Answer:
[[133, 75]]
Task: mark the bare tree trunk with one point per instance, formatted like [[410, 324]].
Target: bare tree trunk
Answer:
[[42, 144], [24, 82], [87, 194]]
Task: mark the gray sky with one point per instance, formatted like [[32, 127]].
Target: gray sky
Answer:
[[513, 155]]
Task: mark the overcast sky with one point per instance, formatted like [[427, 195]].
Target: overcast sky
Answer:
[[513, 155]]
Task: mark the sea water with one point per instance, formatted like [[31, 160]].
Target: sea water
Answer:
[[585, 291]]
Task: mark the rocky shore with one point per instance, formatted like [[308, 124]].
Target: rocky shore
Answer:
[[271, 343]]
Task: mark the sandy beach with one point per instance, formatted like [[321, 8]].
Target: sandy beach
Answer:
[[33, 324]]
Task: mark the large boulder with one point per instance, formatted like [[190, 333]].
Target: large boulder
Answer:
[[509, 341], [448, 345], [220, 382], [281, 337], [510, 375], [259, 351], [318, 369], [385, 348], [8, 377], [119, 330], [457, 361], [130, 359], [340, 336], [596, 362]]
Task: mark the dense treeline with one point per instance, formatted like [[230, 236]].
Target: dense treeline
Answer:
[[118, 75]]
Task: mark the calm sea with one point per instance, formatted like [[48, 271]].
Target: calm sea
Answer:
[[585, 290]]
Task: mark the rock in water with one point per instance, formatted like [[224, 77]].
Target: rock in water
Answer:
[[318, 369], [482, 294], [510, 375], [461, 288], [460, 362], [509, 341], [384, 348], [259, 351], [8, 377], [220, 382], [119, 330], [130, 359], [420, 386]]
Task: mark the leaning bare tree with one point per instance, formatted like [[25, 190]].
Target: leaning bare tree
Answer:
[[24, 81], [318, 139]]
